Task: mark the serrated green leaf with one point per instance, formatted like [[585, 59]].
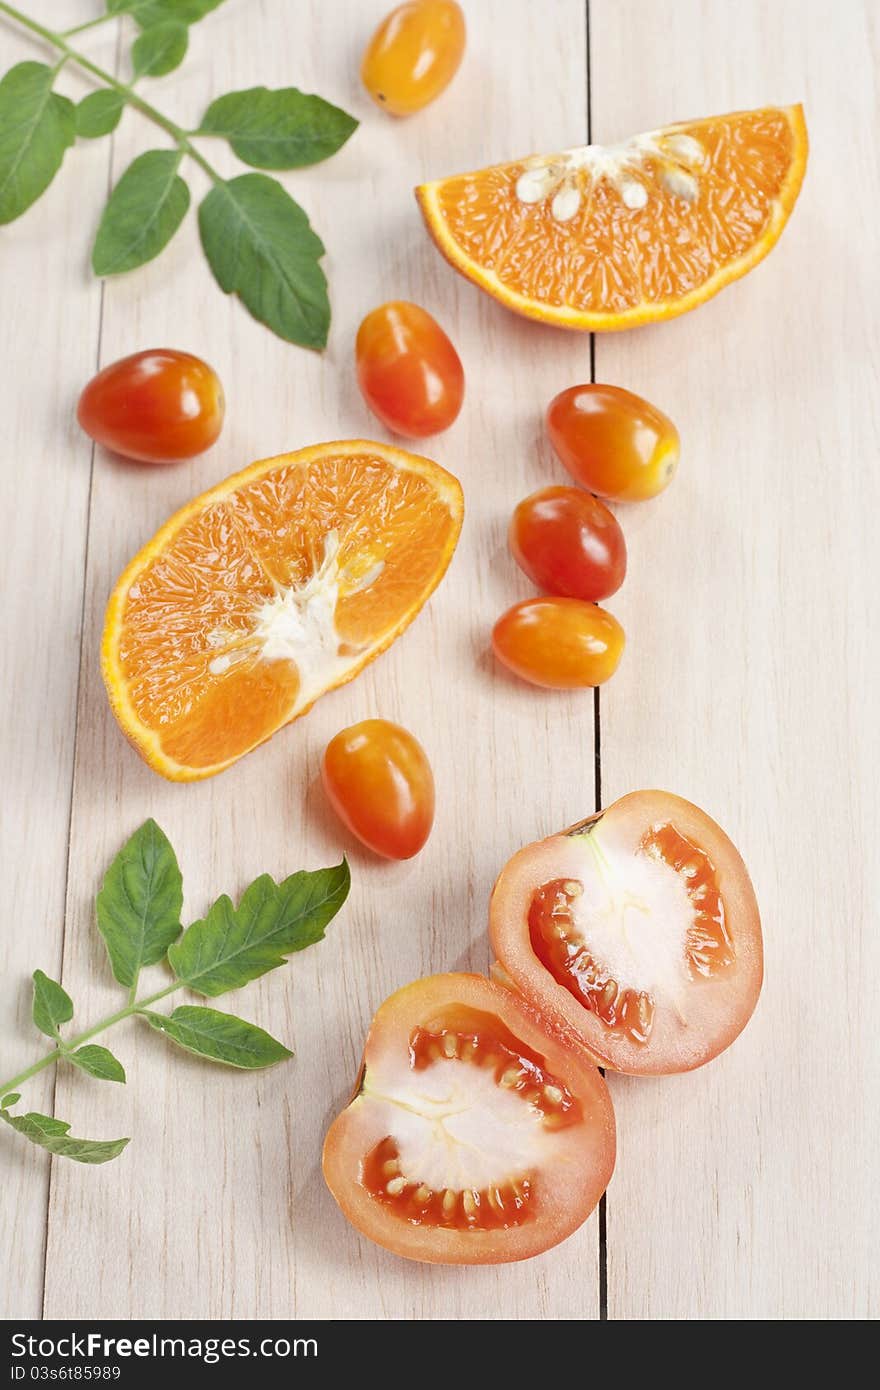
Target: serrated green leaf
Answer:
[[98, 114], [283, 129], [36, 127], [220, 1037], [52, 1005], [159, 50], [55, 1136], [11, 1099], [260, 246], [139, 903], [144, 211], [98, 1062], [150, 12], [233, 945]]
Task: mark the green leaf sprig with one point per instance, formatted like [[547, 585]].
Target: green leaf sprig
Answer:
[[258, 241], [138, 912]]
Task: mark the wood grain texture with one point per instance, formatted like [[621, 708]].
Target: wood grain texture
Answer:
[[748, 685], [746, 1190], [49, 327], [232, 1217]]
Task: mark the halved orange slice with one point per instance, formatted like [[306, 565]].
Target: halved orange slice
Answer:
[[276, 586], [608, 237]]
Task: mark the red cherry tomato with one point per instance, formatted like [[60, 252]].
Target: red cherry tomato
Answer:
[[380, 784], [155, 406], [612, 442], [414, 55], [560, 643], [568, 543], [409, 372]]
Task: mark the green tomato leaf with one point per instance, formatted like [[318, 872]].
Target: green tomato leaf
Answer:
[[160, 49], [222, 1037], [36, 127], [260, 246], [233, 945], [284, 129], [98, 113], [98, 1062], [139, 903], [52, 1005], [12, 1099], [145, 209], [150, 12], [55, 1136]]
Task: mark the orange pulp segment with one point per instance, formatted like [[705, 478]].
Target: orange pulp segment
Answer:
[[269, 590], [609, 237]]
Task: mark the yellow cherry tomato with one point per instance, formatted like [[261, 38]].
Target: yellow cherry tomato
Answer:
[[414, 55]]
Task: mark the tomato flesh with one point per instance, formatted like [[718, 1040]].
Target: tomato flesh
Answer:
[[613, 442], [475, 1135], [409, 373], [559, 643], [379, 782], [155, 407], [414, 55], [569, 543], [639, 930]]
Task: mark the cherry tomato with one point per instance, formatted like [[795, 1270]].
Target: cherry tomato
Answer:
[[409, 372], [568, 543], [414, 55], [155, 406], [560, 643], [476, 1135], [380, 784], [612, 442], [637, 930]]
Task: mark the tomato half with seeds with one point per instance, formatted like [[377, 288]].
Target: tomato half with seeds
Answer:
[[474, 1136], [639, 930]]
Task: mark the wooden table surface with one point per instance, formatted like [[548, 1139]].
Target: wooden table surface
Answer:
[[746, 1190]]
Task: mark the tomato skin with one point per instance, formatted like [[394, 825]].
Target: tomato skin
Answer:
[[559, 643], [409, 373], [708, 1012], [570, 1176], [568, 543], [155, 406], [414, 55], [613, 442], [380, 784]]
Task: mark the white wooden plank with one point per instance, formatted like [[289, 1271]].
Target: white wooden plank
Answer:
[[49, 335], [746, 1190], [218, 1207]]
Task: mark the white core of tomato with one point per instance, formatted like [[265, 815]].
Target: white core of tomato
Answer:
[[633, 917], [455, 1127]]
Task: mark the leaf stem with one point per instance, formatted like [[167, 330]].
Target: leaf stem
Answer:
[[126, 91], [89, 24], [134, 1006]]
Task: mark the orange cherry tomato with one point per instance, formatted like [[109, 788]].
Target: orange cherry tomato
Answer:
[[568, 543], [637, 930], [380, 784], [612, 442], [560, 643], [475, 1135], [408, 371], [414, 55], [156, 406]]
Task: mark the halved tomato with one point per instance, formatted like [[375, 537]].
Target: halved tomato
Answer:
[[637, 931], [475, 1136]]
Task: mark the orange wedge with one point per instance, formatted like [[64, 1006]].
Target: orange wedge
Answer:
[[608, 237], [276, 586]]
